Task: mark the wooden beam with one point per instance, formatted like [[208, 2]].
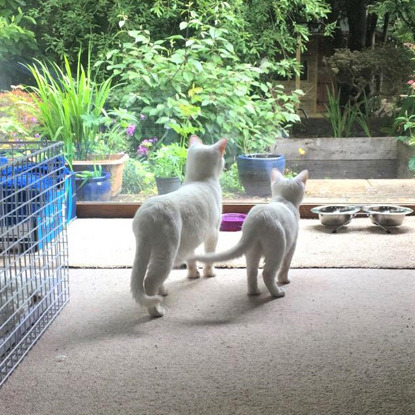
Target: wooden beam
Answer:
[[127, 210]]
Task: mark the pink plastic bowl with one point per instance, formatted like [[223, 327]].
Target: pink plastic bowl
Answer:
[[232, 222]]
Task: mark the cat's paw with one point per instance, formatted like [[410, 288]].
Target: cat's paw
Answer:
[[157, 311], [278, 294], [194, 274], [285, 280], [255, 291], [209, 272]]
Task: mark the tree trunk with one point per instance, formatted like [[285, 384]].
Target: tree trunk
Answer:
[[372, 20], [356, 15]]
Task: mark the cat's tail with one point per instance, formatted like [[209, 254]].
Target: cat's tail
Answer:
[[141, 260], [235, 252]]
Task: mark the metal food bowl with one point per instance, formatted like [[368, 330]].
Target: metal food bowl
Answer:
[[387, 215], [336, 215]]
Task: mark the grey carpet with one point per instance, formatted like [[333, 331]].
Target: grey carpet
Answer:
[[110, 243], [339, 343]]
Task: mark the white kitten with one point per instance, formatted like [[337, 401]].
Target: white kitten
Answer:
[[168, 228], [269, 231]]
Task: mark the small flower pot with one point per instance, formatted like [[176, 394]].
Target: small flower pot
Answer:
[[167, 184], [94, 189], [255, 172]]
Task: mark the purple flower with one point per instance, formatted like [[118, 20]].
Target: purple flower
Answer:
[[37, 135], [142, 117], [131, 130], [34, 120], [142, 150]]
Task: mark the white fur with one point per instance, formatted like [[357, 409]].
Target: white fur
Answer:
[[168, 228], [269, 231]]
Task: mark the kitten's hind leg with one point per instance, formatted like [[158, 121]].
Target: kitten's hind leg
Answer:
[[253, 256], [157, 273], [283, 272], [210, 245], [269, 274], [192, 271]]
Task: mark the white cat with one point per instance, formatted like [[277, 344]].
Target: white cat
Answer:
[[168, 228], [269, 231]]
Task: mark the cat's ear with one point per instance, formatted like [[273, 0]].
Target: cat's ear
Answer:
[[221, 144], [276, 175], [302, 176], [194, 139]]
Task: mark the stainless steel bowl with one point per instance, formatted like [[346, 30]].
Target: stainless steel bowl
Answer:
[[387, 215], [336, 215]]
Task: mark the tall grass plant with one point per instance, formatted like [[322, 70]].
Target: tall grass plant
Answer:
[[71, 105]]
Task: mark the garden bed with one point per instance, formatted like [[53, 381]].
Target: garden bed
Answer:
[[347, 158]]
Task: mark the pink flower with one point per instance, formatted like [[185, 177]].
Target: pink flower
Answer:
[[410, 82]]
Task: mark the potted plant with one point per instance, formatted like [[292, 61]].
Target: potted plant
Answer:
[[93, 185], [167, 164], [255, 165], [72, 110]]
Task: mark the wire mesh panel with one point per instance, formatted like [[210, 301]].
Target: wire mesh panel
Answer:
[[34, 272]]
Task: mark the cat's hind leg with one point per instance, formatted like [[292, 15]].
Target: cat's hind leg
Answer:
[[158, 271], [269, 273], [283, 272], [253, 256], [192, 271], [210, 245]]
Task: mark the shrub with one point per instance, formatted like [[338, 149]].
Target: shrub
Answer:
[[195, 84], [137, 178], [19, 116]]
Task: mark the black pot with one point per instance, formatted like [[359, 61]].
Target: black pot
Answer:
[[255, 172], [167, 184]]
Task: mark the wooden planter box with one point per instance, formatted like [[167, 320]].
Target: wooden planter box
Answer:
[[114, 165], [346, 158]]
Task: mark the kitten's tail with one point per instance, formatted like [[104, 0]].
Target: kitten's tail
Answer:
[[141, 260], [235, 252]]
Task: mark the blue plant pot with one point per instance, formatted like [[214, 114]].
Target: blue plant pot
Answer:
[[94, 189], [255, 172]]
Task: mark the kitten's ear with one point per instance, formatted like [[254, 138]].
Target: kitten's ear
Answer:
[[221, 144], [276, 175], [302, 176], [194, 139]]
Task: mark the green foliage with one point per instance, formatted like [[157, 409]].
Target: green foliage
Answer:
[[137, 178], [276, 27], [168, 161], [361, 71], [401, 16], [86, 175], [343, 118], [71, 107], [230, 183], [18, 116], [196, 84], [257, 29], [17, 40], [406, 125]]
